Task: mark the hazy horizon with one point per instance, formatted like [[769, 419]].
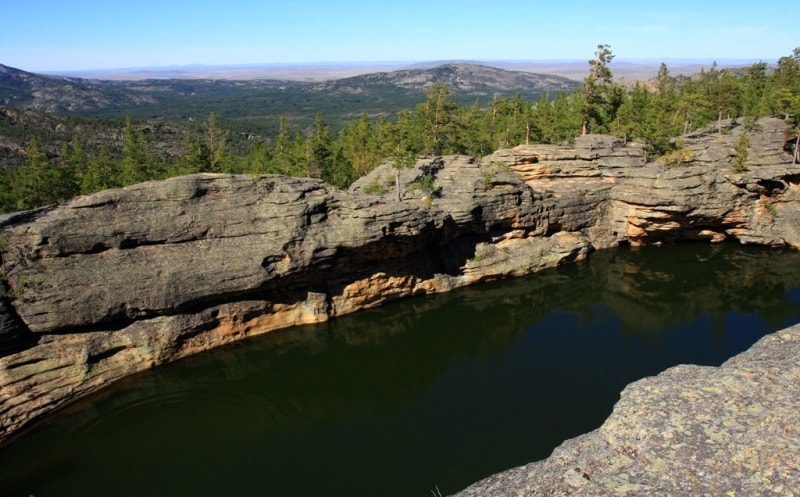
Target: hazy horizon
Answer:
[[98, 36], [318, 71]]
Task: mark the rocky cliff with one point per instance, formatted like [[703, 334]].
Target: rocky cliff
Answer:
[[113, 283]]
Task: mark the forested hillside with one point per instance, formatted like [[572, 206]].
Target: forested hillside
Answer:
[[252, 105], [70, 158]]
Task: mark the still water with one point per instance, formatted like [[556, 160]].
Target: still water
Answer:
[[426, 393]]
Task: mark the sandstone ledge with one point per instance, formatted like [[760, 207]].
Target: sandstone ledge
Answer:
[[691, 430]]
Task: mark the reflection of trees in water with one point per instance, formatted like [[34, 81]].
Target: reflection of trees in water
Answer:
[[660, 287], [435, 370], [383, 357]]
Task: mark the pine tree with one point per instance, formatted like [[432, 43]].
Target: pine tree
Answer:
[[786, 97], [283, 150], [216, 140], [755, 91], [401, 141], [597, 87], [100, 173], [71, 161], [320, 151], [360, 146], [196, 156], [437, 115], [258, 160], [137, 161], [742, 153], [37, 182], [476, 131]]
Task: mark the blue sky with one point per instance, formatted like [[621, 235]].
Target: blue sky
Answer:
[[53, 35]]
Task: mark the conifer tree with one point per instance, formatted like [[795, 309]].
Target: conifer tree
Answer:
[[597, 86], [786, 98], [402, 140], [437, 115], [99, 174], [196, 156], [755, 91], [283, 150], [742, 152], [137, 161], [359, 144], [215, 141], [320, 151], [71, 161], [37, 182], [258, 160]]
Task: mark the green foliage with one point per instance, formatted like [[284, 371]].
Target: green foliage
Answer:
[[99, 173], [375, 188], [600, 96], [771, 209], [678, 156], [424, 184], [488, 181], [67, 155], [361, 144], [440, 125], [742, 151], [137, 162], [40, 182]]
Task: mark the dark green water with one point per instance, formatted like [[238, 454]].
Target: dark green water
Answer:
[[423, 393]]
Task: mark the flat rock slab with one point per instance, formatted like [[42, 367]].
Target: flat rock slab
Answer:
[[690, 431]]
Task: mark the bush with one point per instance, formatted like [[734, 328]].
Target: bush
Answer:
[[742, 151], [679, 156]]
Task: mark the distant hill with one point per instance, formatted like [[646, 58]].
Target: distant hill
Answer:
[[471, 80], [92, 97], [381, 93]]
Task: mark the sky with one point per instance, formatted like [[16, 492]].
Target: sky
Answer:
[[74, 35]]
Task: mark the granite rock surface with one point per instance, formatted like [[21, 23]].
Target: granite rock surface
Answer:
[[691, 430]]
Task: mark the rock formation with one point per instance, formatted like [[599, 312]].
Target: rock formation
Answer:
[[691, 430], [113, 283]]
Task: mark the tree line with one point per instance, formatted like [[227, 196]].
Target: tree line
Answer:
[[653, 112]]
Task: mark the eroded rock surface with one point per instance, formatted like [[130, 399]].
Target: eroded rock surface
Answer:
[[691, 430], [110, 284], [113, 283]]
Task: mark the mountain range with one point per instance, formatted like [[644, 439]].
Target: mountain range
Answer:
[[379, 93]]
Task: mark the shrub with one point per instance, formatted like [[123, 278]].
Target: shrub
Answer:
[[375, 188], [742, 151]]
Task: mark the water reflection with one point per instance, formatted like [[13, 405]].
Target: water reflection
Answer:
[[426, 392]]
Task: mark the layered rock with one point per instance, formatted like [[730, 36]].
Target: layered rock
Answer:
[[113, 283]]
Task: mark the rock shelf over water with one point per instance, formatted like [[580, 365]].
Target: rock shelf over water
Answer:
[[110, 284], [691, 430]]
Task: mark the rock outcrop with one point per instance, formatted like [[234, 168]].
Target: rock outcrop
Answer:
[[110, 284], [691, 430]]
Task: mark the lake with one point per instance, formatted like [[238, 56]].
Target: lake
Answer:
[[424, 393]]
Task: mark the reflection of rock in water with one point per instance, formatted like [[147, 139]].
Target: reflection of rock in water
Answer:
[[120, 281], [533, 360], [647, 289]]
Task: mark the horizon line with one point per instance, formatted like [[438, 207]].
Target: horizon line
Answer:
[[352, 63]]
